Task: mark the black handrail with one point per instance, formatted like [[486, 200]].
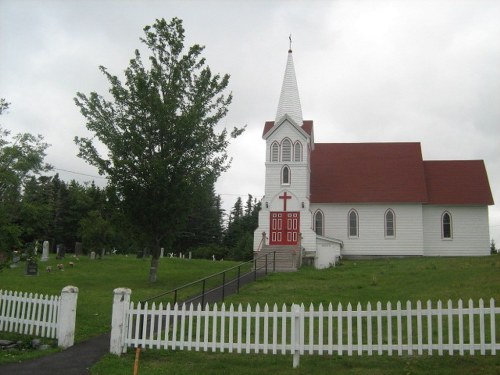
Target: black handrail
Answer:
[[223, 273]]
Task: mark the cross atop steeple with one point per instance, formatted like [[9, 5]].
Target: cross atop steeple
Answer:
[[289, 103]]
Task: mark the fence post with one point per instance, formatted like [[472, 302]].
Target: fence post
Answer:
[[121, 303], [67, 317], [296, 344]]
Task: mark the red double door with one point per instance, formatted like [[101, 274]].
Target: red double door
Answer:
[[284, 228]]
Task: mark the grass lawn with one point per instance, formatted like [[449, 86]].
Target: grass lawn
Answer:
[[354, 281], [96, 280]]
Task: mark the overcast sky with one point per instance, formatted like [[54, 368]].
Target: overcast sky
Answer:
[[367, 71]]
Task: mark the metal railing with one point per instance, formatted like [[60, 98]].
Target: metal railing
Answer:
[[220, 284]]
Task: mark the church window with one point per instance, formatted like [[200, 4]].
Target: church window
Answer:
[[319, 223], [446, 225], [275, 151], [390, 223], [285, 175], [297, 151], [286, 150], [353, 224]]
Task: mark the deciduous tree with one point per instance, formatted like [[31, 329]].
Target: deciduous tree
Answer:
[[160, 131]]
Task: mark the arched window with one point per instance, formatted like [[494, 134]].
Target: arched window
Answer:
[[275, 151], [286, 150], [353, 224], [297, 151], [285, 175], [390, 223], [446, 226], [319, 223]]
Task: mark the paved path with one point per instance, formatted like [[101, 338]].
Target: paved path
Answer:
[[78, 359]]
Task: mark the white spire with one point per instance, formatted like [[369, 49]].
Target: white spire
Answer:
[[289, 103]]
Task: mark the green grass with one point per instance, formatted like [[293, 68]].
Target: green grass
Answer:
[[96, 280], [355, 281], [381, 280]]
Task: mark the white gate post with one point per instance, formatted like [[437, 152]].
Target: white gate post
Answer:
[[67, 317], [297, 322], [121, 303]]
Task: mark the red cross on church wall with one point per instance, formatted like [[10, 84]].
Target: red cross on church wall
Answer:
[[285, 197]]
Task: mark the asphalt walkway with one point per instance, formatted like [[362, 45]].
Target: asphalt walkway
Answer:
[[78, 359]]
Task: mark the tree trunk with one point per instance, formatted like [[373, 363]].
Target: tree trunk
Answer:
[[155, 261]]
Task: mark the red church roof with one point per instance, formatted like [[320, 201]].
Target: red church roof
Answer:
[[367, 173], [457, 182], [393, 172]]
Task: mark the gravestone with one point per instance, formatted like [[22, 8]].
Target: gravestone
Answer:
[[78, 249], [140, 254], [45, 251], [147, 252], [31, 268], [190, 255], [103, 252], [16, 258], [61, 251], [92, 255], [161, 252]]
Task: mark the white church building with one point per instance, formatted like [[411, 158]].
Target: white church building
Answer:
[[328, 200]]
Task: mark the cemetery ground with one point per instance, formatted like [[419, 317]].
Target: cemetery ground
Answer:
[[353, 281]]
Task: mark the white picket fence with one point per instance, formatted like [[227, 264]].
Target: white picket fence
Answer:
[[40, 315], [296, 330]]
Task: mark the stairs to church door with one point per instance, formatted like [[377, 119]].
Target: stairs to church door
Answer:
[[280, 258]]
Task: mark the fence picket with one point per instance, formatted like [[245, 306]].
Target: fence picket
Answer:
[[389, 328], [471, 327], [222, 328], [349, 329], [429, 327], [275, 329], [198, 326], [320, 327], [379, 328], [492, 327], [339, 329], [450, 327], [231, 328], [369, 342], [359, 328], [409, 327], [481, 328], [420, 350], [266, 329], [460, 328], [440, 327], [257, 327]]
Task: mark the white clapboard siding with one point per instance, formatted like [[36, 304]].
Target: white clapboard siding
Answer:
[[29, 314], [403, 329]]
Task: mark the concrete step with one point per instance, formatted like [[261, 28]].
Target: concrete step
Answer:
[[285, 258]]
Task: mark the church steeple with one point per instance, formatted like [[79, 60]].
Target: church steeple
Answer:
[[289, 103]]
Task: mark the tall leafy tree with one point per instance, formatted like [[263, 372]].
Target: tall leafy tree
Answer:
[[21, 159], [159, 128]]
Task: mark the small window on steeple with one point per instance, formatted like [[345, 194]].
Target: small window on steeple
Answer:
[[286, 150], [297, 151], [275, 151]]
